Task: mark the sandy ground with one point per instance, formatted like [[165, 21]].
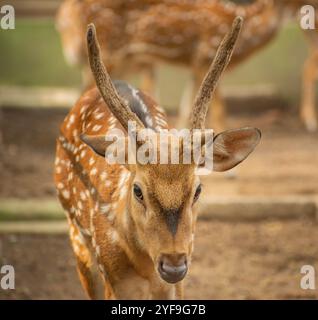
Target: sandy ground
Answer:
[[231, 261]]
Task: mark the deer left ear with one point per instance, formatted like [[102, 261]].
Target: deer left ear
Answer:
[[233, 146]]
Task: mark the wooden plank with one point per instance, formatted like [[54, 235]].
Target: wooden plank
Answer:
[[35, 8], [37, 97]]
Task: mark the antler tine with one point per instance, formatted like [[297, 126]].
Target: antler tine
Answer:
[[105, 85], [220, 62]]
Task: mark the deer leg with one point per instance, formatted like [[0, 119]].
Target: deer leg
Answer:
[[216, 113], [186, 104], [307, 108], [148, 81], [87, 79], [88, 272]]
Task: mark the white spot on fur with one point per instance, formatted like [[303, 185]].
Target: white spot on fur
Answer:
[[83, 196], [113, 235], [66, 194], [103, 176], [99, 116], [70, 121], [105, 208], [108, 183], [60, 185], [83, 109], [97, 127], [70, 176]]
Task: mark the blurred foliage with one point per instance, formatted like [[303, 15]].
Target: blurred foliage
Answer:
[[32, 55]]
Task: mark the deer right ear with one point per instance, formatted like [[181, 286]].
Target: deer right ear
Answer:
[[97, 143], [115, 152]]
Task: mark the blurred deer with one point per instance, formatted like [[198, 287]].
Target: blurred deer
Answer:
[[310, 74], [139, 33], [132, 225]]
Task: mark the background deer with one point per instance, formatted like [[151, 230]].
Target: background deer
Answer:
[[132, 226], [310, 74], [137, 34]]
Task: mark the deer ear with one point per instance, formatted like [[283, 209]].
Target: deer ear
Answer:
[[97, 143], [233, 146], [115, 152]]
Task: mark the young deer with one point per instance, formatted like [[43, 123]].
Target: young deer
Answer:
[[132, 226]]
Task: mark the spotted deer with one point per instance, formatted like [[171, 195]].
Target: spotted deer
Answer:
[[132, 225], [138, 34]]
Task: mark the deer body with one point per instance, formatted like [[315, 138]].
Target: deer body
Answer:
[[132, 224]]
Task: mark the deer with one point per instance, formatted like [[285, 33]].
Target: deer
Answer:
[[142, 33], [132, 224], [183, 33], [310, 74]]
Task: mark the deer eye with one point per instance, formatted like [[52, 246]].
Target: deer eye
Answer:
[[138, 193], [197, 193]]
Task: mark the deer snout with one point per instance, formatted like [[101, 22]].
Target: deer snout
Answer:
[[173, 267]]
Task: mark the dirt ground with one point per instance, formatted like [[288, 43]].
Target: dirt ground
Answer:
[[285, 162], [231, 261]]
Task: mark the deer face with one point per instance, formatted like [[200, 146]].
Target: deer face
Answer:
[[163, 198]]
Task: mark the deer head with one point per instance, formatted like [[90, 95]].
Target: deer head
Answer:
[[163, 197]]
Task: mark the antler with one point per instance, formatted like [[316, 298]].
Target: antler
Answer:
[[105, 85], [220, 61]]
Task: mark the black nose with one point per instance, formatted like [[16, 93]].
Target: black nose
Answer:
[[173, 267]]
